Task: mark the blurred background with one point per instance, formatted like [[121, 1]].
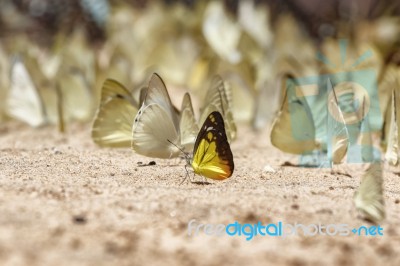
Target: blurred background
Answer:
[[55, 54]]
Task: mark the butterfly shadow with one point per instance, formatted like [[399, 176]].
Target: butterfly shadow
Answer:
[[204, 183]]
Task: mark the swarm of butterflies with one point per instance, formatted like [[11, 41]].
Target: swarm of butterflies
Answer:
[[153, 127], [256, 57]]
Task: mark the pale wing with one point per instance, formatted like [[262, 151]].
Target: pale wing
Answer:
[[188, 126], [154, 133], [24, 102], [338, 136], [76, 94], [230, 125], [392, 150], [293, 130], [142, 95], [221, 32], [112, 126], [218, 98], [112, 88], [214, 96], [369, 197], [157, 94], [4, 81], [51, 102]]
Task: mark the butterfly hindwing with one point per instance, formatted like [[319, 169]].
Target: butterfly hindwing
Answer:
[[212, 155]]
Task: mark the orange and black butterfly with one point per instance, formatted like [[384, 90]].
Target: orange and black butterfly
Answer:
[[212, 155]]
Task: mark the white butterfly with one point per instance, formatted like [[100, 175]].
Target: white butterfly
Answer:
[[219, 98], [338, 136], [369, 196], [392, 150], [293, 130], [112, 126], [24, 101], [158, 129]]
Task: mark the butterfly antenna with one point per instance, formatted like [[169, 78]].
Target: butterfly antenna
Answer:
[[179, 148]]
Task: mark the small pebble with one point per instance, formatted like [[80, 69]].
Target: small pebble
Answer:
[[79, 219], [267, 171], [295, 207]]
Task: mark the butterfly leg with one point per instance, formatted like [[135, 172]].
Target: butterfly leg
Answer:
[[205, 181], [187, 175]]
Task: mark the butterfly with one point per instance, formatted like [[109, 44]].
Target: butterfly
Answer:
[[159, 129], [112, 126], [392, 151], [369, 196], [212, 155], [338, 135], [293, 130], [219, 98], [26, 102]]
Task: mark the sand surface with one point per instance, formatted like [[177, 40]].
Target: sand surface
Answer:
[[64, 201]]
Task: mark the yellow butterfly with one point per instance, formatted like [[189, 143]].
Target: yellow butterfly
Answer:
[[112, 126], [212, 155]]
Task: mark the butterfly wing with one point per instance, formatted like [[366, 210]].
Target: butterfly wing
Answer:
[[112, 89], [293, 130], [76, 94], [218, 98], [338, 136], [212, 155], [24, 102], [230, 124], [187, 124], [112, 126], [369, 196], [157, 93], [392, 150], [155, 129]]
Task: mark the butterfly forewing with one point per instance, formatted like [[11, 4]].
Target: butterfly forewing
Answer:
[[212, 156], [157, 93]]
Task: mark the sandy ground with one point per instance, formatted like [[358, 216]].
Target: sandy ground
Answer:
[[64, 201]]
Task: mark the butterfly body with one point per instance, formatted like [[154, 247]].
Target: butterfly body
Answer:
[[212, 156]]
